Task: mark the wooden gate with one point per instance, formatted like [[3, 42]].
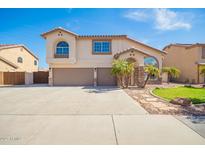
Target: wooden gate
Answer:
[[40, 77], [13, 78]]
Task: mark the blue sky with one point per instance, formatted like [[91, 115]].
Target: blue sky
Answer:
[[156, 27]]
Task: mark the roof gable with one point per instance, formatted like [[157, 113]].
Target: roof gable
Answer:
[[7, 46], [57, 29], [116, 56]]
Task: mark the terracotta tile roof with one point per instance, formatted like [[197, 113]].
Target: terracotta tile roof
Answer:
[[5, 46], [184, 45], [56, 29], [107, 36], [100, 36], [116, 56]]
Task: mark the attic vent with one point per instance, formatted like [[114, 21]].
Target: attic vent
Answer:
[[60, 34]]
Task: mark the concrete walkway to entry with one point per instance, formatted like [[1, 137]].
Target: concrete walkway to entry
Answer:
[[84, 115]]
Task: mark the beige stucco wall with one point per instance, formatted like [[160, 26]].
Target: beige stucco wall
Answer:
[[201, 77], [51, 42], [4, 67], [12, 54], [185, 59], [80, 55]]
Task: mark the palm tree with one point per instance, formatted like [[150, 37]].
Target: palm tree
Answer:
[[129, 68], [172, 72], [151, 71], [122, 70]]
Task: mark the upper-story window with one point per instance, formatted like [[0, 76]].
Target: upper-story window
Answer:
[[20, 60], [62, 50], [203, 53], [35, 62], [101, 47]]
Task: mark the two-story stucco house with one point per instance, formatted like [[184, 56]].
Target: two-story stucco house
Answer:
[[187, 58], [17, 58], [87, 59]]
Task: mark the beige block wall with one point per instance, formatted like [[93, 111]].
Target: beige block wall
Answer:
[[4, 67], [12, 54], [183, 59], [80, 55]]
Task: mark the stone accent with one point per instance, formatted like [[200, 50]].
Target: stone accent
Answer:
[[139, 76], [181, 101], [95, 77], [155, 105], [50, 77], [157, 81]]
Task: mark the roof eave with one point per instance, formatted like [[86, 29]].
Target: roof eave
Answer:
[[160, 51], [116, 56], [20, 45], [8, 62], [56, 29]]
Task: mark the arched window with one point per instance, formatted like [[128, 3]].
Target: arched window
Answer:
[[20, 60], [62, 48], [35, 62], [151, 61]]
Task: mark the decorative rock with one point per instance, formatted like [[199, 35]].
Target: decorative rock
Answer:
[[181, 101], [151, 99]]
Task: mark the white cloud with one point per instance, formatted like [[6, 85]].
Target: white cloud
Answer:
[[137, 15], [164, 19], [169, 20]]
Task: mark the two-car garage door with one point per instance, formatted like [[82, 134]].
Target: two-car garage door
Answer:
[[73, 76], [82, 77]]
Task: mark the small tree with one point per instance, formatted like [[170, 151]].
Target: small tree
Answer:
[[151, 71], [122, 70], [172, 72], [129, 68]]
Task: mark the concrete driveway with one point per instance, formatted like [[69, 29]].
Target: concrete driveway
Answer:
[[84, 115], [67, 100]]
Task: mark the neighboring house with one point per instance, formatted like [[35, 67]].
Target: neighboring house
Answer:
[[17, 58], [87, 59], [188, 58]]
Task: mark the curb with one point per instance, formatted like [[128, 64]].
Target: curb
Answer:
[[151, 93]]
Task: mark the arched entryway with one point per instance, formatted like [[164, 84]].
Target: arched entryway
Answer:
[[136, 56], [132, 77]]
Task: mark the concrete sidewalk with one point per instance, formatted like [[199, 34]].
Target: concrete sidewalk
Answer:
[[95, 129]]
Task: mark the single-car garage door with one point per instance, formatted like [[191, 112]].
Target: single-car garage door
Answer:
[[73, 76], [105, 78]]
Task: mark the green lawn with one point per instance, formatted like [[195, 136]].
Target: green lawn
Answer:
[[197, 95]]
